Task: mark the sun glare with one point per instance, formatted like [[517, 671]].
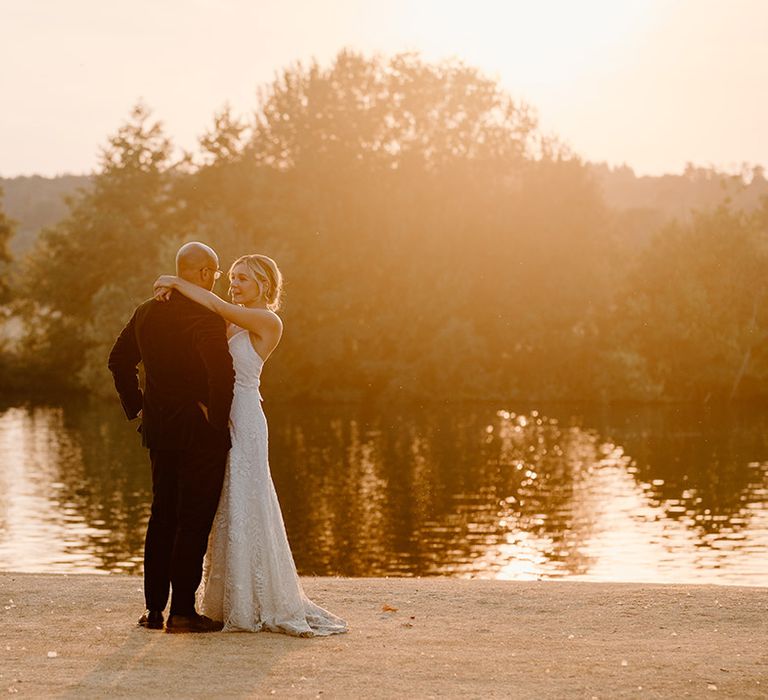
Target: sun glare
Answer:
[[530, 42]]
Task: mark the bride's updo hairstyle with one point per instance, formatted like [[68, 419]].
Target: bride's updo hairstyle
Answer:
[[267, 275]]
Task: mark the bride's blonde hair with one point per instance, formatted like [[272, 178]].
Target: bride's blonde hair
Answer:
[[267, 275]]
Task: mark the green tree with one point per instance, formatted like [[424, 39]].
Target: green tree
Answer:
[[434, 244], [7, 228], [421, 204], [695, 309], [88, 271]]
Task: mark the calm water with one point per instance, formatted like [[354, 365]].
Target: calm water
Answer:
[[673, 494]]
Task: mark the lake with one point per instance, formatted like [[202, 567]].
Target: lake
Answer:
[[649, 493]]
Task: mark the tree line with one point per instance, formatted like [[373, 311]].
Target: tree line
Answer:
[[646, 202], [435, 244]]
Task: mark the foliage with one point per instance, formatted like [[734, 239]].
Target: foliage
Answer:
[[6, 232], [109, 240], [696, 306], [435, 246]]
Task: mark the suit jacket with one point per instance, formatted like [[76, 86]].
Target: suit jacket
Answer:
[[186, 359]]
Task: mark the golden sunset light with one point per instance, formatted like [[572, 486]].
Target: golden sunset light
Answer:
[[648, 83], [428, 336]]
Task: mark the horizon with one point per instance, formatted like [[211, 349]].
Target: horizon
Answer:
[[645, 84], [739, 172]]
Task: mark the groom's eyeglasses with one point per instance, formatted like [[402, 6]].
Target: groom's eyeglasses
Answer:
[[216, 273]]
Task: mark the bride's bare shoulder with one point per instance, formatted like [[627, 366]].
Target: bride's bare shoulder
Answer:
[[277, 322]]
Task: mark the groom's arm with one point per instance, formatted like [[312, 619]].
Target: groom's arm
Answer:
[[123, 362], [210, 339]]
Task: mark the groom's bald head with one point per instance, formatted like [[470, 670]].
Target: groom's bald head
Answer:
[[197, 263]]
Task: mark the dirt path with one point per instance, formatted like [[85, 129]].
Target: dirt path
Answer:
[[74, 637]]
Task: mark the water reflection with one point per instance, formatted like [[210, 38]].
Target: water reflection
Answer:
[[75, 493], [656, 494]]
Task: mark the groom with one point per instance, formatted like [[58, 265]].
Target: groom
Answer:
[[184, 412]]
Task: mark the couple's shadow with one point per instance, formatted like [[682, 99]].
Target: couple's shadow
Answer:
[[151, 663]]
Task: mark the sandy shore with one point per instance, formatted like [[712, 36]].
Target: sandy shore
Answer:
[[75, 636]]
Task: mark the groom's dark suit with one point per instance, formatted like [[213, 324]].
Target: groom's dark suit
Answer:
[[183, 347]]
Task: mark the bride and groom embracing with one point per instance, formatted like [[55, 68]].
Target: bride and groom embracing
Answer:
[[202, 420]]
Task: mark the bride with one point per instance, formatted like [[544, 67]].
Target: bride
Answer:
[[249, 576]]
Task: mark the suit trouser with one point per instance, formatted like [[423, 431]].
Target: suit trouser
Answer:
[[186, 485]]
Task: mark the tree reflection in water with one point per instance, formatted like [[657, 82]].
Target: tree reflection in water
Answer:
[[78, 491], [582, 492], [489, 493]]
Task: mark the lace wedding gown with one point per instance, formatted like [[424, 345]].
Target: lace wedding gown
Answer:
[[249, 577]]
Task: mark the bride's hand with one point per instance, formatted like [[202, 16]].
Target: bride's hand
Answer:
[[163, 287]]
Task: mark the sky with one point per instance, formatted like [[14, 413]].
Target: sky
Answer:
[[654, 84]]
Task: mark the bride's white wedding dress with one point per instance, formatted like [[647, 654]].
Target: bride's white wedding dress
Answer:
[[249, 577]]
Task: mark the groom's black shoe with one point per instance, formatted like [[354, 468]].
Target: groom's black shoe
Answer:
[[192, 623], [152, 620]]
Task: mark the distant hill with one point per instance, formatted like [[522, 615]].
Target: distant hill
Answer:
[[642, 203], [35, 202]]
